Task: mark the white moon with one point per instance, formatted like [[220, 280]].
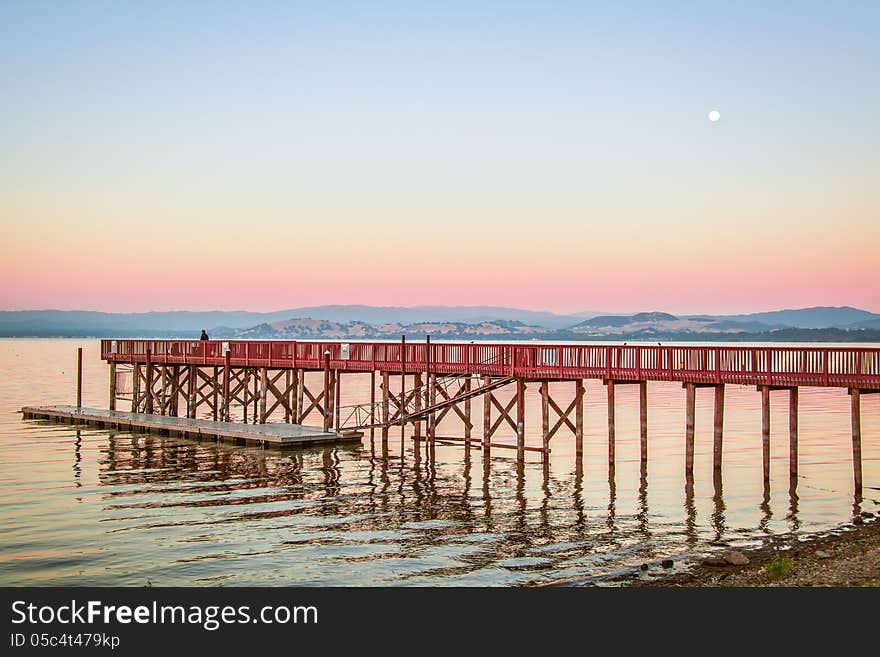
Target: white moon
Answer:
[[714, 116]]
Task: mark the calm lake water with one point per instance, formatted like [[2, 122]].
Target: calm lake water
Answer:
[[97, 507]]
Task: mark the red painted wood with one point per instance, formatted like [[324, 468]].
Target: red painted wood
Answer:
[[808, 366]]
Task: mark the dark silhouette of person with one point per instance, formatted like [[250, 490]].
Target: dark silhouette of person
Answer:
[[204, 335]]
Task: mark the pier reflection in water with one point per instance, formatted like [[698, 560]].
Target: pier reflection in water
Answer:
[[89, 506]]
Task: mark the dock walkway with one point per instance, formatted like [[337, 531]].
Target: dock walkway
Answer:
[[274, 434]]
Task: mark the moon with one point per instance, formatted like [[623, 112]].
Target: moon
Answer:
[[714, 116]]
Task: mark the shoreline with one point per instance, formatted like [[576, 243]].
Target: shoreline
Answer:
[[849, 557]]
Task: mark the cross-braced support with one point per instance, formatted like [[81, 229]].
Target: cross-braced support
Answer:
[[562, 417]]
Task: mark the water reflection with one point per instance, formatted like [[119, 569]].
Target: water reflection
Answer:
[[719, 522], [690, 525], [432, 519]]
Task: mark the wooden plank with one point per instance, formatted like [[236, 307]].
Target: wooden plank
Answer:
[[274, 434]]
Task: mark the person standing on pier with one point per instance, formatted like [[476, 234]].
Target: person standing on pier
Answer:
[[204, 335]]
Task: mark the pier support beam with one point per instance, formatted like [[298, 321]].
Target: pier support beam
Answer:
[[215, 385], [417, 424], [112, 386], [386, 409], [432, 401], [691, 393], [468, 424], [643, 421], [856, 408], [300, 394], [191, 392], [610, 388], [579, 419], [545, 414], [718, 433], [765, 430], [563, 417], [135, 387], [487, 418], [520, 419], [79, 377], [148, 403], [336, 381], [793, 432], [264, 389]]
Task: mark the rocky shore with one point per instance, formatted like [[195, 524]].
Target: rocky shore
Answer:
[[850, 557]]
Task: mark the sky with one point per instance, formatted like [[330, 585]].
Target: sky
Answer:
[[554, 156]]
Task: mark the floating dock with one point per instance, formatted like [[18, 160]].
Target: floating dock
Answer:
[[273, 434]]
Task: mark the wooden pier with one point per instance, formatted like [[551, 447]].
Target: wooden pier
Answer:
[[264, 435], [420, 383]]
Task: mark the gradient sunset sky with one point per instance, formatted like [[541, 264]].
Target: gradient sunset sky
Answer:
[[550, 156]]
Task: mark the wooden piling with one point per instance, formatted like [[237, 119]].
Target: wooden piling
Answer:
[[263, 393], [326, 396], [487, 416], [372, 399], [545, 415], [718, 434], [215, 385], [288, 396], [793, 432], [643, 421], [579, 419], [856, 406], [609, 384], [175, 390], [386, 409], [520, 419], [765, 431], [417, 394], [691, 394], [467, 413], [245, 391], [163, 396], [79, 377], [112, 386], [148, 401], [135, 387], [226, 401], [432, 400], [336, 380], [300, 395]]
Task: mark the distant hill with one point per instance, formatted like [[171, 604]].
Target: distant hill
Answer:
[[653, 324], [816, 317], [316, 329], [76, 323], [452, 322]]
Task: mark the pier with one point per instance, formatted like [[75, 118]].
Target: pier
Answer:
[[417, 384]]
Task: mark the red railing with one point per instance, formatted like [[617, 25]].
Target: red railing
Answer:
[[807, 366]]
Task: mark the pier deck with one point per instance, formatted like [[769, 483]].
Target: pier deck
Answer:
[[273, 434]]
